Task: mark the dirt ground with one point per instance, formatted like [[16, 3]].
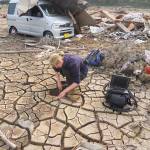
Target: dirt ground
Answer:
[[33, 120]]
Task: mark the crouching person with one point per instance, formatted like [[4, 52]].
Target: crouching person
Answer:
[[73, 68]]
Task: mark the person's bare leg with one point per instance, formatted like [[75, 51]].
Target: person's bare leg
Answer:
[[75, 94]]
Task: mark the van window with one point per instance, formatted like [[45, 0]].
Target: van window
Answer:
[[50, 9], [35, 12], [11, 8]]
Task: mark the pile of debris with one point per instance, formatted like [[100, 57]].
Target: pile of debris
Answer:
[[135, 63], [121, 25]]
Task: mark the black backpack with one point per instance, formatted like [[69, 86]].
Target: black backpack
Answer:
[[118, 97]]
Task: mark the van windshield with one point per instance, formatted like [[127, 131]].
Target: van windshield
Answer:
[[50, 10]]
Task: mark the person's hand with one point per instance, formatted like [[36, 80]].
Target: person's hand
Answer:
[[61, 95], [59, 85]]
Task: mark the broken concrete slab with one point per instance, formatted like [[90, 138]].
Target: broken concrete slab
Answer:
[[134, 17], [120, 25]]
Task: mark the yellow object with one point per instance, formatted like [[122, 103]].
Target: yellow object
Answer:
[[67, 35]]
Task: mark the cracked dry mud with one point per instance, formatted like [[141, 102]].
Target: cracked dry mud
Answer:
[[34, 121]]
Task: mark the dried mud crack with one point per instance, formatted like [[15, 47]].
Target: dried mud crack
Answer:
[[32, 119]]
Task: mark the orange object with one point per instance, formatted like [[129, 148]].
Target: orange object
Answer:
[[147, 69]]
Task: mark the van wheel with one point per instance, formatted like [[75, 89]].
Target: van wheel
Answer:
[[48, 34], [13, 31]]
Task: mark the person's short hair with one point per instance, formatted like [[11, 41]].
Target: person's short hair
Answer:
[[55, 58]]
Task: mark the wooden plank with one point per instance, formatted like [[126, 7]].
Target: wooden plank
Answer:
[[24, 51], [120, 25], [38, 51], [131, 26], [135, 22], [99, 11]]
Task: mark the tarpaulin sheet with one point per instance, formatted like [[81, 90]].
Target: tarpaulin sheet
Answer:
[[24, 5]]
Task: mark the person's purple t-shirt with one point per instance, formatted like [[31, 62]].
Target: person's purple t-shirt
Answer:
[[73, 68]]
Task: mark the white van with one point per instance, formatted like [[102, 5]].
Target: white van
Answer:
[[1, 2], [41, 20]]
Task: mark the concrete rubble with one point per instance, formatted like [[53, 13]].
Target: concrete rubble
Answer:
[[127, 23]]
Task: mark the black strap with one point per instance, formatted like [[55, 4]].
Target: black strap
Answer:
[[105, 87], [133, 97]]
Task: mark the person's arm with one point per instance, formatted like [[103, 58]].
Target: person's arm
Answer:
[[59, 85], [75, 75], [67, 90]]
